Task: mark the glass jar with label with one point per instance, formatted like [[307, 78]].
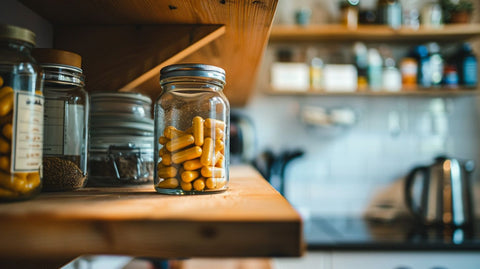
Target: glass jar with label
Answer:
[[192, 118], [65, 120], [21, 115]]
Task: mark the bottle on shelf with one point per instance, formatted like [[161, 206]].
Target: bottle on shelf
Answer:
[[467, 66], [409, 69], [349, 13], [390, 13], [361, 63], [316, 69], [424, 77], [391, 77], [436, 64], [374, 70], [450, 76]]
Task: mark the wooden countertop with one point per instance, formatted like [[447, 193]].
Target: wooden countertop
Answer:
[[250, 219]]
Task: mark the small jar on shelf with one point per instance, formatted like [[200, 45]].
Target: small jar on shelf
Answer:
[[192, 118], [65, 121]]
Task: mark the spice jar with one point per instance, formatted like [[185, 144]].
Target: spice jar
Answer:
[[65, 120], [192, 117], [21, 115], [121, 133]]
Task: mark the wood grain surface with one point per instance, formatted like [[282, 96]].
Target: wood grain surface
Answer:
[[383, 33], [250, 219], [239, 51]]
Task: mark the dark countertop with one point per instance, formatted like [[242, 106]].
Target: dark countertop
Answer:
[[350, 233]]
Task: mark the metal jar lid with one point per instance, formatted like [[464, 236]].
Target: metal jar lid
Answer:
[[193, 70], [45, 56], [17, 33]]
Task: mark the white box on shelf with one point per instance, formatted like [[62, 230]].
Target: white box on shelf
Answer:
[[290, 76], [340, 78]]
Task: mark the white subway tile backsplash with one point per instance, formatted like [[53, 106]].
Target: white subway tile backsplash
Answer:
[[343, 168]]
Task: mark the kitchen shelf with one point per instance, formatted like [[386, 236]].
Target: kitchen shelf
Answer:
[[229, 34], [250, 219], [429, 92], [381, 33]]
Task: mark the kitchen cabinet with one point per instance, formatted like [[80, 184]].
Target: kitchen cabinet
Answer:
[[124, 44], [449, 33], [250, 219]]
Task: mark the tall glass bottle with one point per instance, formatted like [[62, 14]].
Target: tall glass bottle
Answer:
[[21, 115]]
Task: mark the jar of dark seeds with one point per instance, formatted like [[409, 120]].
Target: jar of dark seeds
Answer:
[[65, 120]]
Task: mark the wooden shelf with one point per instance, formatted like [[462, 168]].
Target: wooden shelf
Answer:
[[250, 219], [380, 33], [424, 92], [132, 63]]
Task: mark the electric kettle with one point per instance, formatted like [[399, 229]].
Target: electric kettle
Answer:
[[443, 196]]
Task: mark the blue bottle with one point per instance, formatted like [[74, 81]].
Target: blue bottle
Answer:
[[467, 66], [424, 74]]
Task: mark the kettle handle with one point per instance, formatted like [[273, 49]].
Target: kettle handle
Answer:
[[408, 189]]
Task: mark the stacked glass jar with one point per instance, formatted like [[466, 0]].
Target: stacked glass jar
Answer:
[[21, 115], [192, 130], [121, 149], [65, 120]]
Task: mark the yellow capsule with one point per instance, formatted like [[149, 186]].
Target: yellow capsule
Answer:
[[186, 186], [179, 142], [5, 163], [171, 132], [192, 164], [1, 81], [5, 90], [167, 159], [11, 182], [169, 183], [189, 176], [7, 130], [33, 180], [197, 126], [219, 145], [39, 93], [218, 155], [187, 154], [163, 151], [219, 160], [209, 171], [208, 152], [4, 146], [214, 123], [166, 171], [215, 182], [6, 103], [199, 184], [163, 140], [217, 133]]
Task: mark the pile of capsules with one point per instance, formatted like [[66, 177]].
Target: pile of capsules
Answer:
[[193, 160], [18, 184]]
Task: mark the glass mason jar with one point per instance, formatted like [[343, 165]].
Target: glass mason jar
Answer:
[[192, 123], [121, 139], [21, 115], [65, 120]]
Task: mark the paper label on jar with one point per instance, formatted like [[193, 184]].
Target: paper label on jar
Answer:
[[27, 144], [64, 125]]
